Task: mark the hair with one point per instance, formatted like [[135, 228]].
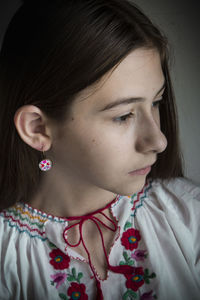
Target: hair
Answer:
[[51, 51]]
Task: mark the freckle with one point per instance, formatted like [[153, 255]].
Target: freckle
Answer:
[[93, 140], [72, 119]]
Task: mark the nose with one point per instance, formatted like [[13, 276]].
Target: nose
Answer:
[[149, 137]]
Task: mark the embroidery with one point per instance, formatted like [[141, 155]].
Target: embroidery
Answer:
[[58, 278], [31, 221], [28, 220], [130, 239], [59, 261], [148, 296], [140, 276], [42, 214], [147, 276], [140, 197], [18, 208], [127, 260], [24, 222], [135, 280], [73, 277], [139, 255], [77, 291]]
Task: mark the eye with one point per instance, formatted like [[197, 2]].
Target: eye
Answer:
[[157, 103], [123, 119]]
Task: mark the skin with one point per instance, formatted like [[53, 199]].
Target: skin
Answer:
[[92, 154]]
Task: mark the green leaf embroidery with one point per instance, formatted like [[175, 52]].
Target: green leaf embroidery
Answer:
[[147, 276], [147, 280], [80, 275], [125, 255], [74, 272], [128, 261], [129, 295], [71, 278], [62, 296], [146, 272], [127, 225], [153, 275], [51, 245]]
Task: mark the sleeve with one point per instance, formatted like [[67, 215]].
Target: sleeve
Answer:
[[4, 291], [183, 207]]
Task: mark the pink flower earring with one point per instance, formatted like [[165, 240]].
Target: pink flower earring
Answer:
[[45, 164]]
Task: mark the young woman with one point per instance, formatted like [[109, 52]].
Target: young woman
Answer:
[[94, 201]]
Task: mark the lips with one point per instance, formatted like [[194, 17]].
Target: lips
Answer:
[[141, 171], [144, 167]]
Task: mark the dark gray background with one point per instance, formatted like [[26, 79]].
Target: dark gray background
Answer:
[[180, 21]]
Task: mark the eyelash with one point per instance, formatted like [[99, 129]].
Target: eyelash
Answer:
[[130, 115]]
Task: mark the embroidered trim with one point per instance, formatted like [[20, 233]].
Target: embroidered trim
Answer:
[[38, 212], [19, 208], [140, 197], [23, 221], [17, 214]]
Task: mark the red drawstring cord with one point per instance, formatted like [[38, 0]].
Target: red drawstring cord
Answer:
[[117, 269]]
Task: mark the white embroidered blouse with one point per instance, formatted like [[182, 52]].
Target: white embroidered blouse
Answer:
[[156, 252]]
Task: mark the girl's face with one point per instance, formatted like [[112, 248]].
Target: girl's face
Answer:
[[102, 142]]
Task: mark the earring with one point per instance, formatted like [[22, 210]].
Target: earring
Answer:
[[45, 164]]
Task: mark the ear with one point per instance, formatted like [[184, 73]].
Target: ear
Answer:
[[31, 125]]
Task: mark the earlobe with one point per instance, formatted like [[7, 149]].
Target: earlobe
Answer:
[[31, 127]]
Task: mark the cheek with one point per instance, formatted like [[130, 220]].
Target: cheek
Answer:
[[96, 147], [109, 151]]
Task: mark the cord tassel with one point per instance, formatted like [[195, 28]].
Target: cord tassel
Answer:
[[124, 269], [99, 291]]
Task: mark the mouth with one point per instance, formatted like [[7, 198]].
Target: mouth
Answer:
[[143, 170]]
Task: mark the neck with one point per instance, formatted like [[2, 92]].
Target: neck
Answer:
[[68, 200]]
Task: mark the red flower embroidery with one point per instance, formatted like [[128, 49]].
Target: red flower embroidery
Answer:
[[77, 291], [130, 239], [136, 279], [59, 260]]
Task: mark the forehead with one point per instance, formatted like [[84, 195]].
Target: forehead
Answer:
[[137, 75]]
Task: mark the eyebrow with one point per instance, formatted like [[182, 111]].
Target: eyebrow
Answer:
[[129, 100]]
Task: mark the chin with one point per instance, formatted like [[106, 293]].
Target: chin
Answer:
[[131, 188]]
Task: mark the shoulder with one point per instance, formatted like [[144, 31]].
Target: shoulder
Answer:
[[178, 186], [180, 190], [179, 200], [17, 223]]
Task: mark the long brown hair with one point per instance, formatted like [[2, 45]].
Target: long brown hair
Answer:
[[51, 51]]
